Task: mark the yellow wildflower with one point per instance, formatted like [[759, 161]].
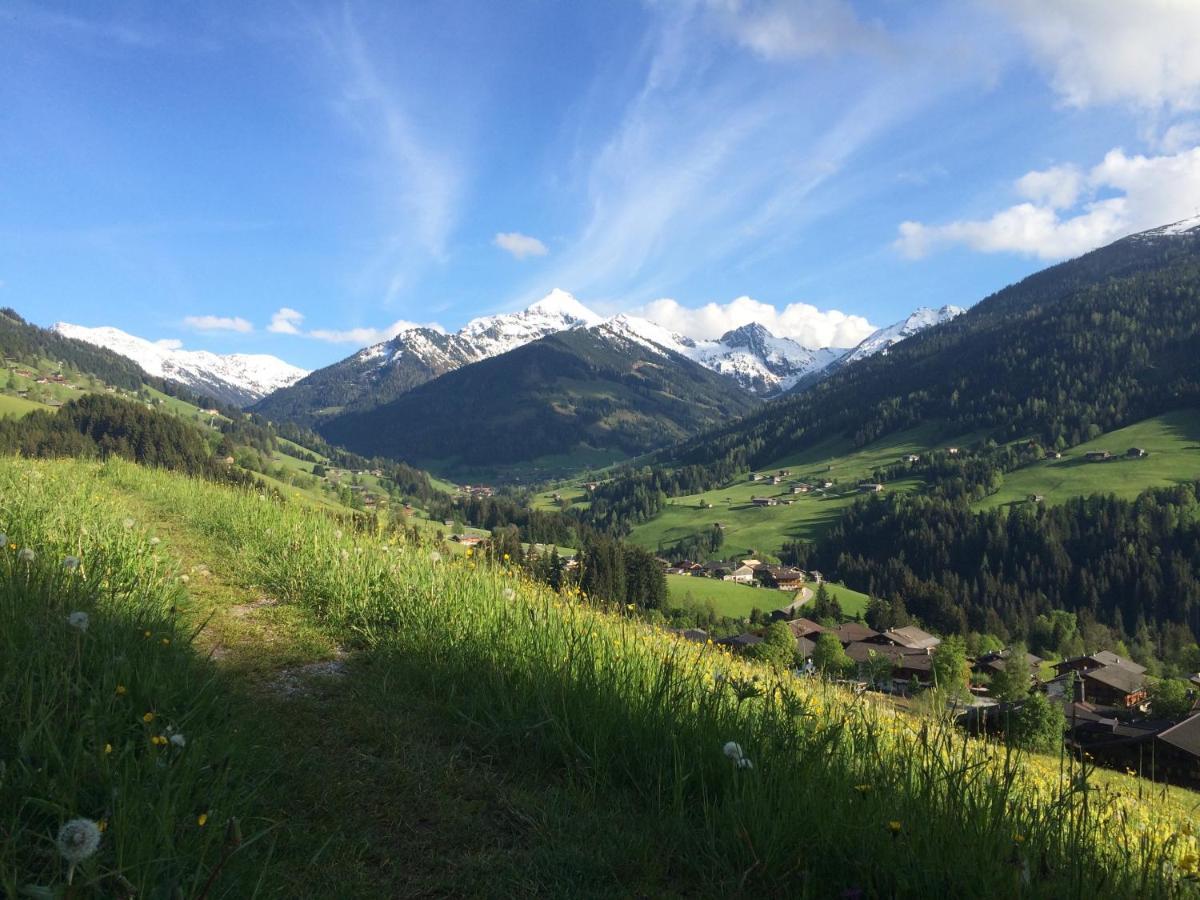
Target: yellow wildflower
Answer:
[[120, 690], [148, 718], [107, 749], [894, 826], [202, 819]]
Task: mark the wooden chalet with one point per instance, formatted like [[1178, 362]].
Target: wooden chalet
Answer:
[[910, 637], [854, 632]]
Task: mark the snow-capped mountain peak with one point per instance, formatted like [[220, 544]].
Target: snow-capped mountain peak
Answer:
[[237, 378], [918, 320], [1183, 226], [559, 303]]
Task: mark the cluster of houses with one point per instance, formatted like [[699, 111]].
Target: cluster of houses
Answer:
[[747, 571], [478, 490], [1103, 696]]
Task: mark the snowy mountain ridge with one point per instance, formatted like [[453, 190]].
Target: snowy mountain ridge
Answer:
[[237, 378]]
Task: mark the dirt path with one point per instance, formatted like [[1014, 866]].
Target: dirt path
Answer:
[[372, 791]]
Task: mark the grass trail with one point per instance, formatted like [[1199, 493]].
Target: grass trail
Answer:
[[376, 793]]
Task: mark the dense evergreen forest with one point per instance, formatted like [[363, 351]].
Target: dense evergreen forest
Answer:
[[98, 426], [1129, 565]]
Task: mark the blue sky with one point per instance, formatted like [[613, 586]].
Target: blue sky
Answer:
[[188, 172]]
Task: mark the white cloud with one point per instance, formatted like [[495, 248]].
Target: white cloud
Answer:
[[1057, 187], [218, 323], [1138, 52], [366, 336], [286, 321], [1122, 195], [803, 323], [519, 245]]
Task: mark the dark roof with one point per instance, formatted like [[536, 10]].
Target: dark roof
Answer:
[[913, 637], [691, 634], [995, 662], [803, 627], [1117, 677], [740, 640], [1195, 679], [849, 632], [1103, 658], [1185, 735], [805, 647]]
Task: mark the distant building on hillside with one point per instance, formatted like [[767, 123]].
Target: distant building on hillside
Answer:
[[764, 501], [1097, 456], [1135, 453], [870, 487]]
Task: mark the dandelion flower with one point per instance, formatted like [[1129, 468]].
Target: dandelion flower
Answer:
[[77, 840], [509, 593], [434, 556], [894, 826], [338, 534], [179, 740], [345, 554], [121, 690], [107, 749], [70, 563], [166, 642], [78, 620], [127, 524], [26, 554], [154, 541], [202, 819], [148, 718], [184, 579]]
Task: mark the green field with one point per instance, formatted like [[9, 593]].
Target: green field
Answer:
[[735, 600], [382, 720], [1173, 441], [17, 406]]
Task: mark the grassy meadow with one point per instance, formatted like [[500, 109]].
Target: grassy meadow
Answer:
[[17, 406], [729, 598], [1173, 442], [385, 719]]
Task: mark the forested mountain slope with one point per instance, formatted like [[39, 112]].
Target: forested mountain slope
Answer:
[[1083, 347], [584, 387]]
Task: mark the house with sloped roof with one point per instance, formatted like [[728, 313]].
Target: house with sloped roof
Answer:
[[911, 637], [1113, 686], [1182, 742], [853, 632], [1097, 660]]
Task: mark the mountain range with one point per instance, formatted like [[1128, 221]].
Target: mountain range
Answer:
[[237, 379]]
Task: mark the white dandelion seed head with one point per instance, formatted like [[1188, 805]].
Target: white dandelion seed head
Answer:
[[26, 555], [509, 593], [78, 620], [744, 763], [179, 740], [733, 750], [435, 556], [345, 554], [70, 563], [127, 524], [184, 579], [154, 541], [78, 839], [338, 534]]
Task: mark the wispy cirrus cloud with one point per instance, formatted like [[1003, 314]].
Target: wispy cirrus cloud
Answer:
[[218, 323], [414, 172]]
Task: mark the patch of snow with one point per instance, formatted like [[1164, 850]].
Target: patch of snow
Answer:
[[917, 321]]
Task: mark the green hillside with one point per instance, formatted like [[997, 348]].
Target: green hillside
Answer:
[[737, 600], [17, 406], [1172, 441], [258, 688]]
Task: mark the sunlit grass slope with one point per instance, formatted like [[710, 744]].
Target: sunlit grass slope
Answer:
[[819, 792]]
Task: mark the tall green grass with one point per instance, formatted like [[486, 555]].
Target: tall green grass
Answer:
[[844, 794], [116, 722]]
